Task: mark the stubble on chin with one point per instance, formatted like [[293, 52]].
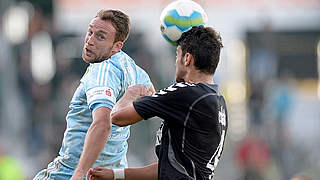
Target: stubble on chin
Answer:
[[93, 60], [89, 60], [85, 60], [83, 56]]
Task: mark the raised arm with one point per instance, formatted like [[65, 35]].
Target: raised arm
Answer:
[[123, 113]]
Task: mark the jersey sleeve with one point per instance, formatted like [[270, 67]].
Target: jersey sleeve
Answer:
[[169, 103], [102, 86], [142, 77]]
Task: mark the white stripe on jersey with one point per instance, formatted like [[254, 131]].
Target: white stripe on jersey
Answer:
[[103, 74], [106, 76], [125, 74], [49, 170], [216, 154], [128, 72], [99, 74]]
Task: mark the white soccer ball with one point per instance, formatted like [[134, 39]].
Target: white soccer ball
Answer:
[[179, 17]]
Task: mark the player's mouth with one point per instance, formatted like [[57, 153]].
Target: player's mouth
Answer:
[[89, 52]]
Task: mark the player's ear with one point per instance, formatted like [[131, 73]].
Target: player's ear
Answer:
[[117, 46], [188, 59]]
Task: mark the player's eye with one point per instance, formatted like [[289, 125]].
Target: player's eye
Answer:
[[101, 37], [90, 32]]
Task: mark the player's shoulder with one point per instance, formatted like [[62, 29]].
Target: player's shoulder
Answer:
[[101, 67], [176, 90], [141, 72], [190, 90], [115, 63], [183, 86], [100, 73], [121, 57], [140, 69], [122, 60], [209, 88]]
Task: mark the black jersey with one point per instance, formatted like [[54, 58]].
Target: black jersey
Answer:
[[193, 131]]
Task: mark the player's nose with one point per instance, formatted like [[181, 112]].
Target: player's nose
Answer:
[[90, 40]]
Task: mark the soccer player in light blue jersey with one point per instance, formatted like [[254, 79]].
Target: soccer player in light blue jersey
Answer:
[[90, 139]]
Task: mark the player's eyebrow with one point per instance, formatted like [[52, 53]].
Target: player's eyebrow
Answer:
[[101, 31]]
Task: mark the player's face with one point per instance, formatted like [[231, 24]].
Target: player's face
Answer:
[[99, 41], [180, 68]]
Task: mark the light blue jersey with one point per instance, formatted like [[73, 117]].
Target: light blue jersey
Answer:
[[102, 85]]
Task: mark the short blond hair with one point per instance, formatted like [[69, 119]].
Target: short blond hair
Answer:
[[120, 22]]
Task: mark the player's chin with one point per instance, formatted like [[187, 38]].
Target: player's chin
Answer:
[[88, 59]]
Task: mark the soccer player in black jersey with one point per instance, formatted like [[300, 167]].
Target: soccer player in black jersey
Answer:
[[191, 139]]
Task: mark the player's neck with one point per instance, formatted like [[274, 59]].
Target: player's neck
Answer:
[[113, 53], [198, 77]]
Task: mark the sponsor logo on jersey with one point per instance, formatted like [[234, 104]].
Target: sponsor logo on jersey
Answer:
[[108, 92], [99, 93]]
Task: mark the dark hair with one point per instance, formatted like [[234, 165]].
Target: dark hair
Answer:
[[120, 22], [205, 44]]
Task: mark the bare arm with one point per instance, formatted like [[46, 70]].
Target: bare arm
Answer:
[[149, 172], [124, 113], [95, 141]]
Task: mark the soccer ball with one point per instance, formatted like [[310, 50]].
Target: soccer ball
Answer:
[[179, 17]]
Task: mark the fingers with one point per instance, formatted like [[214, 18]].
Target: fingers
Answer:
[[90, 174], [140, 90], [149, 93], [145, 92], [98, 169], [100, 173]]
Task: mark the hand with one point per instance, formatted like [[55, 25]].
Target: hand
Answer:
[[99, 173], [138, 91]]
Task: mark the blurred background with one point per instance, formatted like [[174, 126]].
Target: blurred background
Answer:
[[269, 74]]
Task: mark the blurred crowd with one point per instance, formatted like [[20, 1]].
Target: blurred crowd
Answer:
[[34, 98]]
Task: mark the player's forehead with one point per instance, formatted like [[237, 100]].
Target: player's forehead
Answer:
[[105, 26]]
